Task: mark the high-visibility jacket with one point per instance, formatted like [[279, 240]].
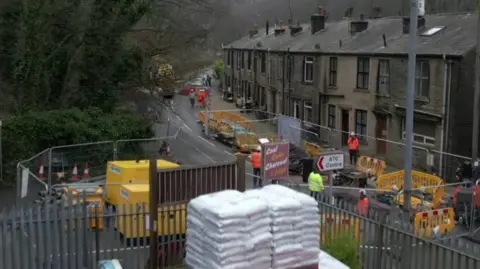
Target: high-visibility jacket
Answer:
[[315, 182], [192, 95], [362, 206], [353, 143], [256, 159]]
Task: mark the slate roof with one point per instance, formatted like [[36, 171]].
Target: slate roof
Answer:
[[456, 39]]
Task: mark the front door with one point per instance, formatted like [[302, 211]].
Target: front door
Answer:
[[381, 132], [345, 125]]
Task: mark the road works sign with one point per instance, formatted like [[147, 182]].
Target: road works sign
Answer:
[[331, 161]]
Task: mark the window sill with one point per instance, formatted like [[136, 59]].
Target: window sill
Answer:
[[385, 95], [332, 87], [307, 82], [361, 90]]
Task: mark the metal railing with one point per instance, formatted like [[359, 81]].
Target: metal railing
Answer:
[[68, 234], [58, 162]]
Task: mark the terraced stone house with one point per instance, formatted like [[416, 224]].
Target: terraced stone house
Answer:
[[351, 75]]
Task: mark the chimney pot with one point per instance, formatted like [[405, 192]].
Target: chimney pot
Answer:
[[321, 11], [317, 21]]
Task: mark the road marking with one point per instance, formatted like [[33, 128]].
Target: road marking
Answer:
[[229, 153], [188, 128], [204, 154], [213, 145]]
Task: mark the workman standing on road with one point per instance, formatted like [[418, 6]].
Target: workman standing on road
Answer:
[[363, 203], [353, 144], [315, 184], [192, 97], [256, 160]]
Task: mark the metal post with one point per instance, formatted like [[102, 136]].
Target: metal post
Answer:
[[154, 197], [412, 42], [330, 187], [476, 98], [205, 127], [50, 167], [1, 153]]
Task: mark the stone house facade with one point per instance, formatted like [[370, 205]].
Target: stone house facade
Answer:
[[351, 75]]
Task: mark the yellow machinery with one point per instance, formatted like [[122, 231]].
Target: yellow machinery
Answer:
[[128, 172], [434, 222], [432, 186], [312, 149], [335, 223], [224, 116], [93, 197], [133, 215]]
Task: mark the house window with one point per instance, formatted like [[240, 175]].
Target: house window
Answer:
[[229, 58], [361, 124], [296, 110], [239, 59], [332, 77], [308, 69], [307, 112], [363, 66], [249, 60], [422, 79], [271, 75], [423, 133], [263, 65], [332, 114], [289, 67], [280, 67], [383, 78], [242, 59]]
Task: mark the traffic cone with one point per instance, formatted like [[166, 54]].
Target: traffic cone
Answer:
[[86, 171], [75, 172], [41, 172]]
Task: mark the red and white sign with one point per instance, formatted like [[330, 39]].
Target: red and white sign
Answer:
[[329, 162]]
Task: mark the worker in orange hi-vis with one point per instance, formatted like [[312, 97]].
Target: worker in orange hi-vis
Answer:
[[353, 144], [256, 160], [362, 204]]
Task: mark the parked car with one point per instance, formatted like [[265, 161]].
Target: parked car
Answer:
[[194, 84], [296, 157]]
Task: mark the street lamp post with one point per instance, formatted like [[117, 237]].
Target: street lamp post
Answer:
[[412, 57], [1, 153]]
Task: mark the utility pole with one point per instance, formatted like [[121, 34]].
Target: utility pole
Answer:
[[153, 208], [1, 153], [412, 57], [476, 96]]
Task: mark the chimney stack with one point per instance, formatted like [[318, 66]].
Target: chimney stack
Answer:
[[406, 24], [377, 12], [267, 28], [318, 21], [295, 28], [279, 30]]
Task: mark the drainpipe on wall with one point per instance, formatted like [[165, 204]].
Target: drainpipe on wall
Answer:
[[254, 90], [233, 75], [283, 81], [290, 74]]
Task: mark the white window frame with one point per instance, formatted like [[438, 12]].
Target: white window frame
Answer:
[[307, 106], [427, 140], [420, 78], [384, 77], [309, 61]]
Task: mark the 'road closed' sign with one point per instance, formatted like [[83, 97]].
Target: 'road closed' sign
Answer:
[[330, 162]]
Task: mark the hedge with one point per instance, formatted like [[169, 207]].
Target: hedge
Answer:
[[26, 135]]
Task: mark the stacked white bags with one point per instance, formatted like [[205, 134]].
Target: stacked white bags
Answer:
[[309, 225], [283, 213], [227, 230]]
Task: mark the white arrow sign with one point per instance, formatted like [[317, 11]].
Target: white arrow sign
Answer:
[[330, 162]]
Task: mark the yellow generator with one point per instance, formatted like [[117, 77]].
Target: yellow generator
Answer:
[[128, 172], [133, 219]]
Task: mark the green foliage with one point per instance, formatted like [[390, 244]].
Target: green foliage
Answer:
[[62, 53], [218, 68], [343, 246], [33, 132]]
